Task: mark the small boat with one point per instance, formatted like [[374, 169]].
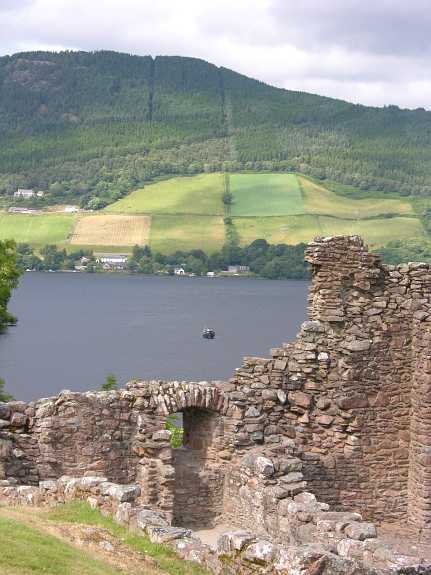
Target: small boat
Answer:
[[208, 333]]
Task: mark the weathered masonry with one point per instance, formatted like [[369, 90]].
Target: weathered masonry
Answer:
[[345, 408]]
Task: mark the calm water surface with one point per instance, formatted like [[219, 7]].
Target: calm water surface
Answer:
[[74, 329]]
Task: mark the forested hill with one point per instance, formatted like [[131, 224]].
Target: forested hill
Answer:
[[96, 125]]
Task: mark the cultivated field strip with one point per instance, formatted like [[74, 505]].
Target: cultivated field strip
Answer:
[[111, 230]]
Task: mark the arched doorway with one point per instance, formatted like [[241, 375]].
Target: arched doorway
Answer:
[[199, 469]]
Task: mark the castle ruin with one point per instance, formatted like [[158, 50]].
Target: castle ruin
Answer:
[[344, 412]]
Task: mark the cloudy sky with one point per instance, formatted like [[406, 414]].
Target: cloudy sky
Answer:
[[369, 51]]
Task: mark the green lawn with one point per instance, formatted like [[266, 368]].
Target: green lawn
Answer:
[[201, 194], [25, 550], [265, 195], [171, 233], [321, 201], [37, 230]]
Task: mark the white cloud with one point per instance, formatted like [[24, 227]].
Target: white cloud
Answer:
[[360, 50]]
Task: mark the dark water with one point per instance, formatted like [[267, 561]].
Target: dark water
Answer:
[[74, 329]]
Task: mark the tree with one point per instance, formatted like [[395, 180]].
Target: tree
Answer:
[[9, 275], [110, 383], [4, 396], [227, 198]]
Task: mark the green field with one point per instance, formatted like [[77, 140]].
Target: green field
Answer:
[[265, 195], [375, 232], [38, 230], [297, 229], [278, 230], [172, 233], [321, 201], [201, 195], [187, 213]]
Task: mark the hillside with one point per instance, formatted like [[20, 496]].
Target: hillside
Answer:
[[95, 126], [188, 212]]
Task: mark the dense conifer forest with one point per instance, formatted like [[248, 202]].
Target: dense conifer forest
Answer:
[[94, 126]]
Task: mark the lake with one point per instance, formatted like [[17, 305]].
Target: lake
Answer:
[[75, 329]]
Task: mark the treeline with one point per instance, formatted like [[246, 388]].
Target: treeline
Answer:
[[91, 127], [9, 275], [397, 252], [264, 260]]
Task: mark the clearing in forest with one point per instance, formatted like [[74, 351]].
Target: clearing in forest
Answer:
[[172, 233], [36, 229], [265, 195], [111, 230], [200, 195]]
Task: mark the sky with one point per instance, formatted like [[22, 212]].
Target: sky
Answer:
[[374, 52]]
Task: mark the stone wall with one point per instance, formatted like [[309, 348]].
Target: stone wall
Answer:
[[347, 405]]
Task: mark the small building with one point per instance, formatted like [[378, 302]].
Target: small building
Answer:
[[112, 261], [40, 194], [71, 209], [238, 269], [211, 274], [22, 193], [179, 272]]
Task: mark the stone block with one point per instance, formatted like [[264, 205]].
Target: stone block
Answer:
[[361, 531]]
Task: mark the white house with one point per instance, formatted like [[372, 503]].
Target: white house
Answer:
[[40, 194], [71, 209], [179, 271], [238, 269], [21, 193], [112, 261]]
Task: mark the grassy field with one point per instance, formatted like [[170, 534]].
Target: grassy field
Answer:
[[278, 230], [186, 213], [172, 233], [111, 230], [320, 201], [296, 229], [201, 195], [265, 195], [38, 230], [375, 232]]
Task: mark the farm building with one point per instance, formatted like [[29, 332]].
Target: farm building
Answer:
[[112, 261], [21, 193], [238, 269]]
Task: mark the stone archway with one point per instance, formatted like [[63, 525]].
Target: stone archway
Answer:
[[187, 483], [199, 470]]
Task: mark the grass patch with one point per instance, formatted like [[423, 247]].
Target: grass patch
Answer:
[[81, 513], [278, 230], [377, 232], [38, 230], [111, 230], [321, 201], [265, 195], [172, 233], [24, 550], [201, 195]]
